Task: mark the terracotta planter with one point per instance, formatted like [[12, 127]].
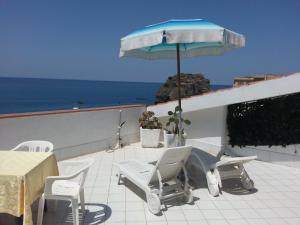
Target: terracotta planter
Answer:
[[149, 137]]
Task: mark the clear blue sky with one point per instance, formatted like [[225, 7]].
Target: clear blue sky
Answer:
[[81, 39]]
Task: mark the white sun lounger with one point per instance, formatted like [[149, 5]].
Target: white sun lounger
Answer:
[[160, 181], [207, 155]]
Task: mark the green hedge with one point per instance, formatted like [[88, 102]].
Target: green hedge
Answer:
[[272, 121]]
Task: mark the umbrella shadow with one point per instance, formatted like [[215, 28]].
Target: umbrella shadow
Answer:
[[95, 213]]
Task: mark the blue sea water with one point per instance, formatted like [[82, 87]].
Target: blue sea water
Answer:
[[32, 95]]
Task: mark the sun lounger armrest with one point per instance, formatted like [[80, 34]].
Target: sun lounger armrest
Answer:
[[227, 160], [51, 179]]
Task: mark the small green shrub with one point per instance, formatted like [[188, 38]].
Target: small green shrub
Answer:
[[149, 121], [172, 126]]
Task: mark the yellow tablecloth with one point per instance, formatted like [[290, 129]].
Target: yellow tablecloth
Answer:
[[22, 179]]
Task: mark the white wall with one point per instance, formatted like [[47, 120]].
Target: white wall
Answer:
[[209, 125], [72, 133], [263, 89], [287, 156], [206, 123]]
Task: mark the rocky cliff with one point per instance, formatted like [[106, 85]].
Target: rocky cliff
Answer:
[[191, 84]]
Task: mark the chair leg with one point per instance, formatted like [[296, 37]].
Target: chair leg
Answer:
[[41, 210], [45, 207], [81, 193], [75, 211], [55, 205], [119, 178], [19, 220]]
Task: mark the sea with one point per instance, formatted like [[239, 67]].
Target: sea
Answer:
[[19, 95]]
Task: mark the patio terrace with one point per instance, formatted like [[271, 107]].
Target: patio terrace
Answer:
[[276, 199]]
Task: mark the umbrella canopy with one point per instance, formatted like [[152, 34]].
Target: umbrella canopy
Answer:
[[196, 38], [180, 38]]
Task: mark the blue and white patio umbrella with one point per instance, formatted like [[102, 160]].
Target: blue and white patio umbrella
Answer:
[[195, 38], [180, 39]]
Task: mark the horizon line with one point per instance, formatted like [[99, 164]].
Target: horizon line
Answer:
[[77, 79]]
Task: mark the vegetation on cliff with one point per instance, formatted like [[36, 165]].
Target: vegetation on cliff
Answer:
[[191, 84]]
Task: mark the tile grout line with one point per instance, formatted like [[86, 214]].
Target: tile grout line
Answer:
[[145, 213], [109, 188], [201, 212], [219, 210], [98, 172], [125, 190]]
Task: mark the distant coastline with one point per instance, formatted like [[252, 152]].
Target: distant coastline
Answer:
[[19, 95]]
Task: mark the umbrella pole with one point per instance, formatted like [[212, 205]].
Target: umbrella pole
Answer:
[[179, 92]]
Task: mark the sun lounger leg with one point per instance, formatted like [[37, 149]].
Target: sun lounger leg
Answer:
[[213, 178], [187, 189], [218, 177], [246, 180], [153, 203]]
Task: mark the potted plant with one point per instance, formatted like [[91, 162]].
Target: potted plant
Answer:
[[149, 129], [171, 131]]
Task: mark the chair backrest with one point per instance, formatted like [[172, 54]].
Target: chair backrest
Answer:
[[76, 170], [170, 163], [34, 146], [210, 145]]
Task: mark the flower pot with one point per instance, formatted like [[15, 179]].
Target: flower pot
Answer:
[[150, 137], [172, 140]]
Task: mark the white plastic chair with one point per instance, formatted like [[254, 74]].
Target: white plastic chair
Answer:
[[34, 146], [68, 186], [160, 181]]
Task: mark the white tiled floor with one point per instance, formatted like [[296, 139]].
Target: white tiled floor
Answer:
[[276, 199]]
